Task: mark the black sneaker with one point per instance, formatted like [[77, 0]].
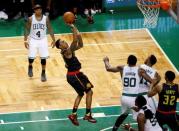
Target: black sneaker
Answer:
[[30, 71], [43, 77]]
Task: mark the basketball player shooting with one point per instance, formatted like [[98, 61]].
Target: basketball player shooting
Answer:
[[35, 39], [75, 78]]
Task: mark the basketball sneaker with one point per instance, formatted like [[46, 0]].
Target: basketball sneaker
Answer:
[[73, 119], [30, 71], [89, 118], [43, 77]]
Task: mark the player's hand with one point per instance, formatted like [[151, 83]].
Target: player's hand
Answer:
[[135, 108], [53, 44], [26, 44], [105, 59], [126, 126]]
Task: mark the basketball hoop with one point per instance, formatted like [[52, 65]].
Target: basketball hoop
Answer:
[[150, 9]]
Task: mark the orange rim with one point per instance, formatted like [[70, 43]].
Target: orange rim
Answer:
[[157, 5]]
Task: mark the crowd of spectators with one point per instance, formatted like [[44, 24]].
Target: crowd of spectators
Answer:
[[15, 9]]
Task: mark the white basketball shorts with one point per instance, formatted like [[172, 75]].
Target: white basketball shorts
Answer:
[[38, 46], [127, 103]]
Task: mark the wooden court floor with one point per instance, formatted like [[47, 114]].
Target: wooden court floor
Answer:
[[20, 93]]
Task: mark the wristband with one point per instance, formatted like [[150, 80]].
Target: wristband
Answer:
[[130, 128]]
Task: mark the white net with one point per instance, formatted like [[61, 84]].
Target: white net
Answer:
[[150, 9]]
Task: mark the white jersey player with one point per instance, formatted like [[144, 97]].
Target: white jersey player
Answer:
[[35, 39], [144, 85], [146, 118], [131, 75]]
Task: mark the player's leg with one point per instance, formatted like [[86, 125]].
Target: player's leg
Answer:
[[125, 111], [30, 67], [126, 104], [43, 74], [31, 56], [161, 119], [86, 84], [88, 115], [119, 121], [44, 54], [172, 122], [75, 83]]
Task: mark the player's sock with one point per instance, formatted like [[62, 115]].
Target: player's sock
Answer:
[[119, 121], [30, 72], [43, 76], [74, 111], [88, 111], [43, 71]]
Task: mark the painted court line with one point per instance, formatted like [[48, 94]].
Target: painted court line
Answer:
[[162, 51], [98, 115], [102, 115], [35, 121], [57, 110]]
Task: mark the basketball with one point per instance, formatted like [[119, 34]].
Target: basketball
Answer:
[[69, 17], [165, 5]]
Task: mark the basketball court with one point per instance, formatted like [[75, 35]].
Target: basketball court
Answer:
[[30, 105]]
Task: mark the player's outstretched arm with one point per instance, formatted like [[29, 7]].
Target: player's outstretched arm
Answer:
[[50, 31], [110, 68], [77, 42], [27, 31]]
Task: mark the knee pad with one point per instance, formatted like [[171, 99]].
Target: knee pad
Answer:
[[31, 61], [43, 61]]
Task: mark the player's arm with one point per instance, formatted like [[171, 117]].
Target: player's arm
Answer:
[[141, 121], [77, 42], [157, 78], [27, 31], [50, 31], [154, 90], [144, 75], [110, 68]]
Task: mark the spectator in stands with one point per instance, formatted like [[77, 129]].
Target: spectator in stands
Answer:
[[3, 10]]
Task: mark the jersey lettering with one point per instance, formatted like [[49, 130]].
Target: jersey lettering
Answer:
[[169, 100], [129, 82], [38, 26]]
